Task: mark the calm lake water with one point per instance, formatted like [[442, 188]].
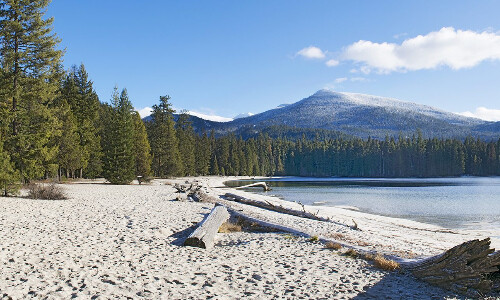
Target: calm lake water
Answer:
[[462, 203]]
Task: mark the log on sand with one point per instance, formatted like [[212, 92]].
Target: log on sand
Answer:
[[257, 184], [471, 268], [204, 235], [269, 206]]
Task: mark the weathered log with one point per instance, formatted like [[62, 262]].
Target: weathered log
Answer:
[[467, 268], [204, 235], [257, 184], [184, 192], [268, 205]]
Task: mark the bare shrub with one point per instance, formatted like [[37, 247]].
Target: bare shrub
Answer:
[[46, 192], [228, 227], [385, 264], [333, 246]]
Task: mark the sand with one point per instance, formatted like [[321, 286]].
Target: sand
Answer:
[[109, 241]]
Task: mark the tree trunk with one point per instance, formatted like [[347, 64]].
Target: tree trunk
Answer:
[[204, 235], [16, 74], [471, 268]]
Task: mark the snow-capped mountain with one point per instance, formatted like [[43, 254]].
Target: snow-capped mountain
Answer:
[[360, 115]]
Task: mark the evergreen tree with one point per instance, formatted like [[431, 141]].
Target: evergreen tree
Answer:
[[30, 78], [119, 159], [163, 140], [186, 137], [8, 176], [142, 150], [77, 90], [203, 153], [70, 156]]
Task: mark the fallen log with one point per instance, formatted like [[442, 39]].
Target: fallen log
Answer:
[[471, 268], [268, 205], [204, 235], [257, 184]]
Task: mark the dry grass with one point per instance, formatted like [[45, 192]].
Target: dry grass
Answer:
[[290, 236], [336, 236], [405, 254], [351, 253], [360, 243], [46, 192], [385, 264], [228, 227], [333, 246], [313, 239]]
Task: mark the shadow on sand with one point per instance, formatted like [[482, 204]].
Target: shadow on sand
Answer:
[[404, 286]]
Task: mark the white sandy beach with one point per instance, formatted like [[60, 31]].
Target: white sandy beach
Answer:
[[110, 241]]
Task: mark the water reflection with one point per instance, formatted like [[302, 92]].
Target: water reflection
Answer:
[[468, 202]]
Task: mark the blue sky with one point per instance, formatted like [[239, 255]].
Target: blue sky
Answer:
[[229, 57]]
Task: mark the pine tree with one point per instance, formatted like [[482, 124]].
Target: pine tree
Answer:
[[77, 90], [8, 176], [186, 137], [30, 75], [119, 159], [163, 140], [203, 153], [70, 156], [142, 150]]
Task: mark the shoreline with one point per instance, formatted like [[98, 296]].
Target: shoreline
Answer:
[[397, 220], [109, 241]]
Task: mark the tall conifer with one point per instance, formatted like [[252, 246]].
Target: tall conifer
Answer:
[[119, 159], [30, 75], [142, 150], [163, 140], [77, 90], [186, 137]]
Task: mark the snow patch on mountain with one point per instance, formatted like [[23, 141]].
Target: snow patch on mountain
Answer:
[[144, 112], [244, 115], [209, 117]]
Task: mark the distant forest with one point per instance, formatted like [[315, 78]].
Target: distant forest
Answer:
[[53, 125]]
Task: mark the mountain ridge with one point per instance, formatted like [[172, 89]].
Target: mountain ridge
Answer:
[[359, 115]]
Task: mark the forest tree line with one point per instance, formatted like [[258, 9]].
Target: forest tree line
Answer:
[[53, 125]]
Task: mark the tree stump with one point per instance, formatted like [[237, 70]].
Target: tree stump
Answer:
[[204, 235], [470, 268]]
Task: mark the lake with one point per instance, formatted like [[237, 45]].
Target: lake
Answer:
[[461, 203]]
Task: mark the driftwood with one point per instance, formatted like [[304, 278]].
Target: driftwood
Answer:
[[204, 235], [471, 268], [184, 192], [268, 205], [257, 184]]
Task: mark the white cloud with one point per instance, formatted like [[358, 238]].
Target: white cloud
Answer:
[[332, 63], [455, 49], [146, 111], [312, 52], [483, 113], [340, 80], [399, 35], [358, 79]]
